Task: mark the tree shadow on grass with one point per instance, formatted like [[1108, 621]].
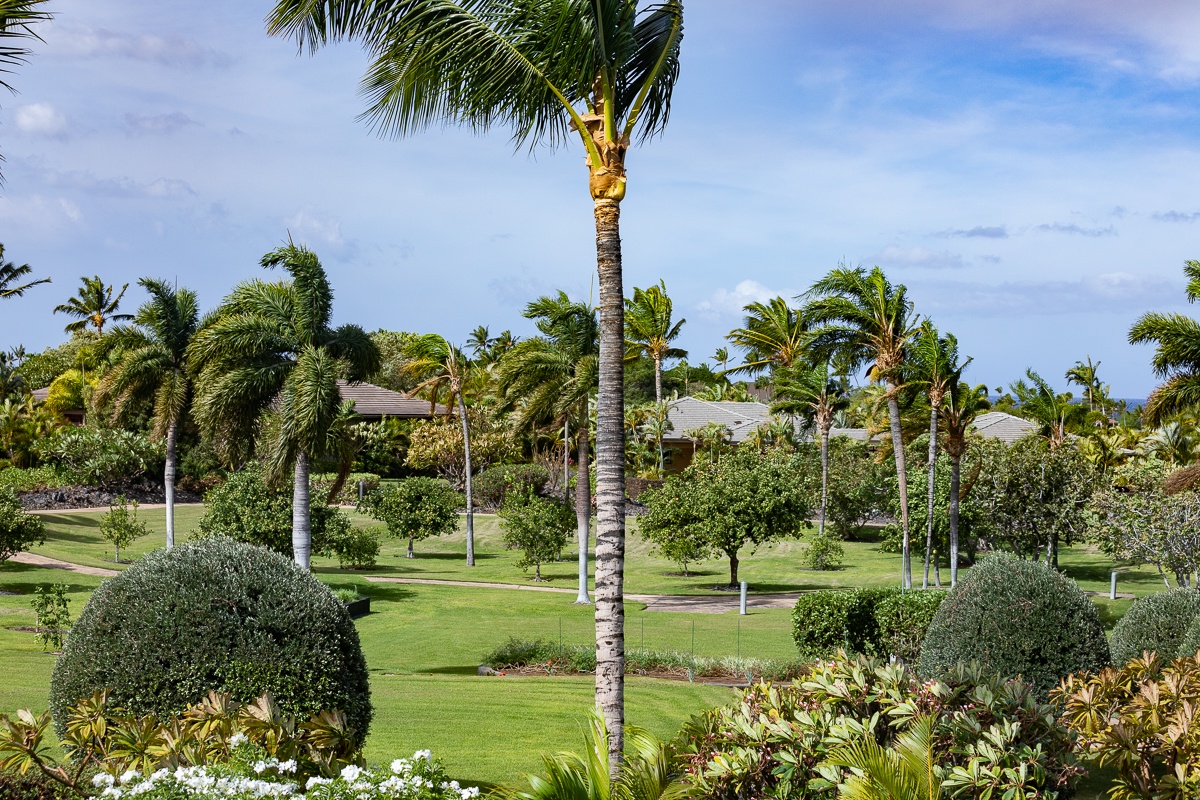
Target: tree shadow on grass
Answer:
[[436, 556], [1102, 574], [467, 670]]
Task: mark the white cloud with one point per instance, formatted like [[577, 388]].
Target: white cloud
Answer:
[[42, 119], [1060, 227], [1102, 292], [170, 50], [311, 225], [71, 210], [918, 257], [731, 303], [157, 124]]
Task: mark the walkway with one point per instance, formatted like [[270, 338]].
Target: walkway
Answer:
[[34, 560]]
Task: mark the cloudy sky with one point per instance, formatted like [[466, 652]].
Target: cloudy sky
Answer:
[[1029, 171]]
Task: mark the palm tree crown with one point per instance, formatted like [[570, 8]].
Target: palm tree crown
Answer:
[[94, 305], [1176, 356], [649, 330], [10, 273], [772, 335]]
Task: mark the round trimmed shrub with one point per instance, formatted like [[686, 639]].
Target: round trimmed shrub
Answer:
[[1156, 623], [1189, 643], [214, 614], [1016, 618]]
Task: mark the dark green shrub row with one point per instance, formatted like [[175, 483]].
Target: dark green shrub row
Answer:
[[32, 479], [491, 486], [214, 614], [348, 496], [1157, 624], [881, 622]]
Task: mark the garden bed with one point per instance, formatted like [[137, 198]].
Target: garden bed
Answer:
[[68, 497]]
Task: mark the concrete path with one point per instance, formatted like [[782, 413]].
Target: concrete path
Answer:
[[35, 560], [141, 507]]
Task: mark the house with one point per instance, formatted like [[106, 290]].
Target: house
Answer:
[[1003, 426], [71, 415]]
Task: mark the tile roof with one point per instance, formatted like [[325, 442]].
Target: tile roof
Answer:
[[690, 413], [1005, 427], [372, 402]]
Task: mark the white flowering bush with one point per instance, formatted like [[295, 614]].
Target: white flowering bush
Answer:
[[248, 776]]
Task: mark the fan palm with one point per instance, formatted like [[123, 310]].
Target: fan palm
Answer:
[[962, 403], [154, 364], [813, 393], [94, 305], [649, 332], [772, 335], [551, 377], [906, 771], [933, 365], [601, 70], [867, 320], [439, 366], [10, 273], [1176, 357], [270, 347]]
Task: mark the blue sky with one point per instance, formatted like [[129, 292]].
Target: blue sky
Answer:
[[1029, 173]]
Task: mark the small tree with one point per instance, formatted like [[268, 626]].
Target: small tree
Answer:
[[538, 527], [18, 530], [121, 525], [667, 529], [53, 616], [415, 507]]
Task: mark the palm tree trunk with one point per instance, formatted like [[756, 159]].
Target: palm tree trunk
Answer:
[[933, 416], [610, 484], [462, 412], [824, 477], [567, 460], [583, 510], [901, 480], [657, 379], [955, 475], [301, 513], [169, 481]]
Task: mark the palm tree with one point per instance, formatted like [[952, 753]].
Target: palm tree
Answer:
[[933, 364], [721, 356], [94, 305], [270, 347], [10, 272], [155, 365], [602, 70], [1084, 374], [16, 17], [907, 771], [813, 393], [552, 377], [649, 332], [772, 335], [962, 404], [862, 316], [438, 365], [1055, 413], [1176, 357]]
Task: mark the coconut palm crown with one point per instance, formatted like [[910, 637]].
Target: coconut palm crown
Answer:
[[10, 273], [772, 335], [1176, 356], [94, 306], [649, 330]]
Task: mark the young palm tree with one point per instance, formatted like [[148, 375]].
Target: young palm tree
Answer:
[[812, 392], [270, 347], [438, 365], [10, 273], [551, 378], [772, 335], [1176, 355], [721, 356], [154, 365], [601, 70], [933, 365], [907, 771], [962, 403], [863, 316], [1084, 374], [649, 332], [94, 305]]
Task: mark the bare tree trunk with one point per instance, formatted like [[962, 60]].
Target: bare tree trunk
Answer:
[[301, 513], [733, 569], [169, 481], [610, 484], [583, 509], [462, 412], [901, 480], [824, 477], [933, 416], [410, 548], [955, 477]]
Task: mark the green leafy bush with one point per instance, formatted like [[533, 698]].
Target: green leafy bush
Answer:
[[356, 548], [992, 738], [247, 509], [1157, 624], [1189, 643], [51, 609], [121, 527], [1016, 618], [18, 530], [101, 456], [416, 508], [880, 622], [538, 527], [219, 615], [903, 619], [823, 553], [491, 486], [348, 496], [31, 786], [32, 479]]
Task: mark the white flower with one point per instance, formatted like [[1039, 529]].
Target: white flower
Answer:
[[469, 792], [103, 779], [350, 774], [237, 740], [400, 765], [288, 766], [129, 776], [260, 767], [315, 781], [425, 754]]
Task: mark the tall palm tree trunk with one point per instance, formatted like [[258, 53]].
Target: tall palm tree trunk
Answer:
[[901, 480], [658, 394], [955, 476], [462, 412], [301, 513], [169, 481], [583, 510], [933, 419], [824, 477], [610, 483]]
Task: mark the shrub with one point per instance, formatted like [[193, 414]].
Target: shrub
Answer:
[[1189, 643], [50, 607], [879, 622], [823, 552], [416, 508], [348, 495], [32, 478], [121, 527], [214, 615], [1157, 624], [356, 548], [491, 486], [101, 456], [247, 509], [31, 786], [538, 527], [903, 619], [1139, 719], [1016, 618], [992, 738], [18, 530]]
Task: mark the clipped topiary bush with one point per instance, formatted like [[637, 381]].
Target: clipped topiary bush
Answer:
[[1156, 623], [1015, 618], [1189, 643], [878, 622], [214, 614], [903, 620]]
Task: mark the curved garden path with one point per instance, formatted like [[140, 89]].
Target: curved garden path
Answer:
[[34, 560]]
